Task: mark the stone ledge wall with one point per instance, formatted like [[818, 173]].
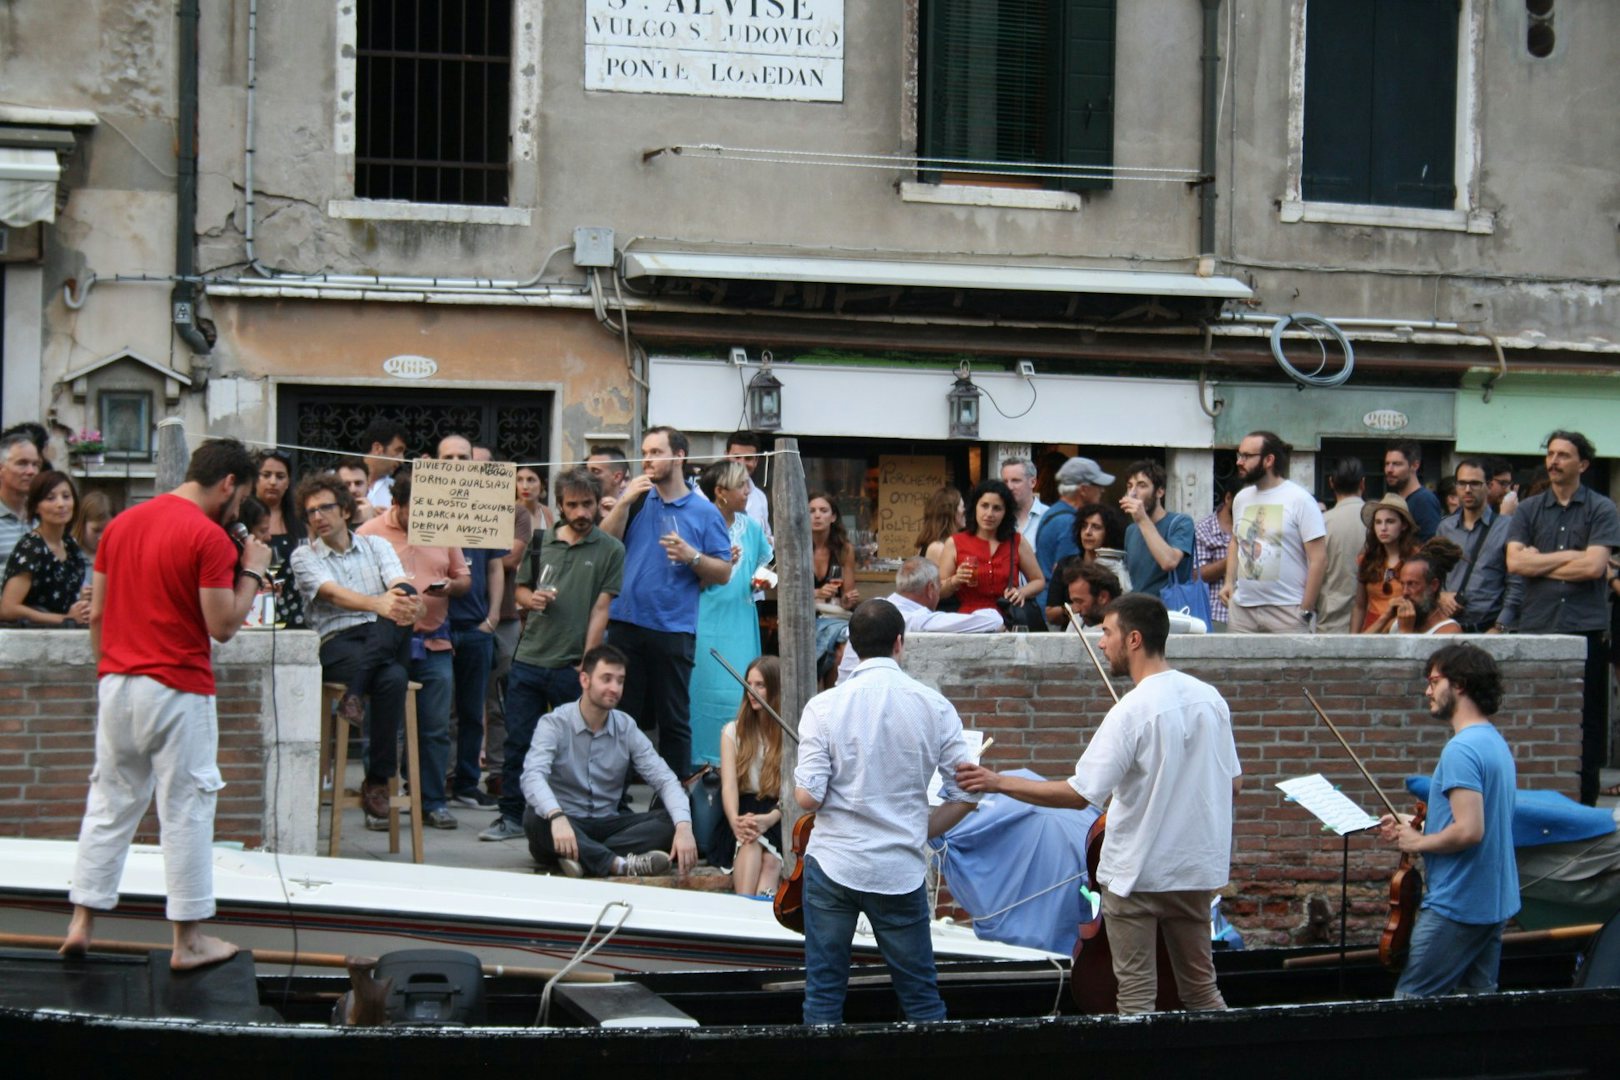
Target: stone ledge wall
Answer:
[[1039, 696], [268, 695]]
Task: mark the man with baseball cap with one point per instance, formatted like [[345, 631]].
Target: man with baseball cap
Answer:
[[1080, 481]]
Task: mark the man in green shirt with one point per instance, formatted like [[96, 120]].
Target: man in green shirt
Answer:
[[567, 579]]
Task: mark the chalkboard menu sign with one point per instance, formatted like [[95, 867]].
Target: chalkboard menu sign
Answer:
[[905, 484]]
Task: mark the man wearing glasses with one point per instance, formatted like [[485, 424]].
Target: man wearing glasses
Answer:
[[357, 598], [1479, 592], [1278, 554]]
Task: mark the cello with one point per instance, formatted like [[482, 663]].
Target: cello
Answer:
[[1406, 884], [1092, 984], [788, 903]]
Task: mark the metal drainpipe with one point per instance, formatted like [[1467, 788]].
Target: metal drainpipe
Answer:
[[183, 300], [1206, 165]]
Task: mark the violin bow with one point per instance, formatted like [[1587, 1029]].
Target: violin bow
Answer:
[[1074, 620], [751, 692], [1396, 814]]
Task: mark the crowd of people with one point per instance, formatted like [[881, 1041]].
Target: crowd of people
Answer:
[[615, 604]]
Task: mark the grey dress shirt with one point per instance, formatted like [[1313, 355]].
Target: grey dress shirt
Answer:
[[583, 773], [1493, 594]]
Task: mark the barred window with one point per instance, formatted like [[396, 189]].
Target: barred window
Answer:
[[433, 82]]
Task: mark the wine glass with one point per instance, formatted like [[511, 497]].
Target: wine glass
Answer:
[[547, 583]]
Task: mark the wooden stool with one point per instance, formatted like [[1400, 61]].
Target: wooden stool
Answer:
[[335, 754]]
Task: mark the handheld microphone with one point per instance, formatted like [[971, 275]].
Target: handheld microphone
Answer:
[[239, 532]]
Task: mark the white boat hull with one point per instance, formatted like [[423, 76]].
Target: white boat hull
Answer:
[[359, 907]]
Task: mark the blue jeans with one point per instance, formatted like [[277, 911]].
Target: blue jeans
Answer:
[[1445, 955], [901, 925], [474, 656], [436, 673], [531, 692]]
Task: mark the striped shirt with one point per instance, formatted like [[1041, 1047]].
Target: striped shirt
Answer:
[[13, 527], [368, 566]]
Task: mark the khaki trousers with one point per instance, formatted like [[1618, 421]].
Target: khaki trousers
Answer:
[[1266, 619], [1183, 916]]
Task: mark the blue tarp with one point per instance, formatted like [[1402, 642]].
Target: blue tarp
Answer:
[[1008, 851], [1542, 817]]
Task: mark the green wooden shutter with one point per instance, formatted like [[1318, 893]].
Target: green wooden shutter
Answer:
[[1084, 118], [1414, 93], [1381, 102], [1338, 100], [1018, 82]]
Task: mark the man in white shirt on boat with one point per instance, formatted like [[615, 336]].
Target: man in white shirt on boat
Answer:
[[867, 751], [577, 769], [1166, 757], [916, 596]]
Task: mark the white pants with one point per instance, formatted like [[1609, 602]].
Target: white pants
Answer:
[[150, 737]]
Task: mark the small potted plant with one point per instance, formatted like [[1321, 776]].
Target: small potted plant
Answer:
[[86, 447]]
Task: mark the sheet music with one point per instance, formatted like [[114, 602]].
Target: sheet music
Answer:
[[1328, 803], [975, 749]]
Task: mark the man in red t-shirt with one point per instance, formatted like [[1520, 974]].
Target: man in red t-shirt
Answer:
[[167, 579]]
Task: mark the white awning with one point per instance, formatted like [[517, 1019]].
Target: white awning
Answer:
[[924, 273], [28, 185]]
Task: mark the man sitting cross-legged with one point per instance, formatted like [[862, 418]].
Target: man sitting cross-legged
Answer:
[[577, 769]]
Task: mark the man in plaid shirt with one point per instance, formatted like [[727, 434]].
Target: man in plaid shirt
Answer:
[[1211, 535]]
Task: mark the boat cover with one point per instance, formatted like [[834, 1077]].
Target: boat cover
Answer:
[[1542, 817], [1007, 852]]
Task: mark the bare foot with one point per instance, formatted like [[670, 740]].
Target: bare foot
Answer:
[[199, 950], [77, 941]]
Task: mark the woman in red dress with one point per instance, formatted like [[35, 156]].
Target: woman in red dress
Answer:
[[976, 565]]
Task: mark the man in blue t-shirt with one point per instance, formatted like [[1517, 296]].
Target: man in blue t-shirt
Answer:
[[1157, 542], [675, 543], [1467, 841]]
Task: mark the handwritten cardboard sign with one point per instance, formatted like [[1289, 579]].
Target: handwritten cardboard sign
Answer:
[[462, 504], [905, 484]]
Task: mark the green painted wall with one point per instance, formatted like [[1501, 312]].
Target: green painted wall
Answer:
[[1524, 408], [1304, 416]]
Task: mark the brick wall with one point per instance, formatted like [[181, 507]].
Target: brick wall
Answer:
[[48, 724], [1040, 698]]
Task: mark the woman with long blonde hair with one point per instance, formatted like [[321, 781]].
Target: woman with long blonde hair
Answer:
[[749, 840]]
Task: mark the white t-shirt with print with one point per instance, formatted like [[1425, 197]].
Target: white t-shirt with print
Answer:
[[1269, 533]]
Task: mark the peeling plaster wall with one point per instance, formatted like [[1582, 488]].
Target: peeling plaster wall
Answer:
[[269, 343], [115, 58], [1550, 223]]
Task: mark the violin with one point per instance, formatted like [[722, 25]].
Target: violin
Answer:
[[1405, 893], [1092, 984], [789, 902]]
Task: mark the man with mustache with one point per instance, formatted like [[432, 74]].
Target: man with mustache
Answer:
[[1278, 555]]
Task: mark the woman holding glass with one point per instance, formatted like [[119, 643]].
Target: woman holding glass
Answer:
[[977, 565], [727, 618], [45, 577]]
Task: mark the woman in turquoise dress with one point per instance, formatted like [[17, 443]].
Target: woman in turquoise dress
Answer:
[[727, 619]]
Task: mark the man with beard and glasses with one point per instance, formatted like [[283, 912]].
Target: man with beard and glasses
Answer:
[[167, 579], [567, 618], [1480, 592], [1467, 838], [574, 773], [1166, 756], [1418, 609], [675, 543], [1278, 555], [1560, 542], [1157, 542]]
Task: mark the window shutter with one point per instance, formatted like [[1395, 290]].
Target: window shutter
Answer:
[[984, 77], [1414, 90], [1339, 49], [1084, 118]]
